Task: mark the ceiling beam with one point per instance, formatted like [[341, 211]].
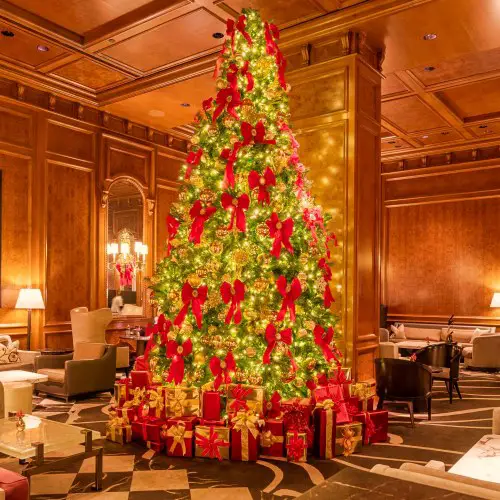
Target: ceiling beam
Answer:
[[399, 133]]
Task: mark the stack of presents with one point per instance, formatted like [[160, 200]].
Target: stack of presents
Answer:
[[237, 422]]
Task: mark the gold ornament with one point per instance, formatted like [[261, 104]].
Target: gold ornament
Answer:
[[212, 130], [302, 277], [289, 377], [199, 358], [195, 139], [309, 324], [299, 382], [240, 257], [205, 340], [239, 376], [321, 285], [217, 341], [212, 330], [186, 329], [230, 343], [234, 139], [202, 272], [220, 83], [250, 352], [311, 364], [196, 181], [268, 315], [302, 333], [260, 284], [260, 331], [280, 163], [255, 379], [262, 229], [197, 375], [194, 280], [229, 121], [207, 196], [221, 232], [183, 253], [303, 259], [173, 295], [183, 196], [250, 314]]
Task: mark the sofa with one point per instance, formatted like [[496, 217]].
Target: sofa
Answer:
[[26, 359], [484, 352], [13, 486]]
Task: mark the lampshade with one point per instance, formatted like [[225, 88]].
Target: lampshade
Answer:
[[495, 301], [30, 298]]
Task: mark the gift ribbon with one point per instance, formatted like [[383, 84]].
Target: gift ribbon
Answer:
[[348, 440], [239, 394], [137, 397], [156, 400], [176, 399], [179, 434], [244, 422], [328, 406], [268, 439], [210, 444], [296, 446]]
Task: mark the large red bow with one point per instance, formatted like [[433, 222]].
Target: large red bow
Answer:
[[177, 352], [281, 231], [330, 237], [244, 72], [290, 293], [194, 297], [322, 264], [328, 298], [323, 340], [230, 156], [207, 104], [219, 61], [256, 180], [255, 134], [240, 26], [228, 98], [281, 62], [162, 327], [172, 228], [273, 406], [272, 338], [295, 447], [239, 393], [312, 217], [238, 207], [221, 369], [271, 33], [211, 444], [235, 294], [193, 159], [200, 214]]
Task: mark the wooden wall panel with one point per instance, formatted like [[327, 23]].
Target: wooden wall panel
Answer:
[[168, 167], [70, 141], [16, 127]]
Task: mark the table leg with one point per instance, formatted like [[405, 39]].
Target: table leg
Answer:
[[98, 469]]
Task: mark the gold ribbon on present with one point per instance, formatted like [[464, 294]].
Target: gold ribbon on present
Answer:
[[137, 398], [363, 392], [179, 434], [124, 416], [245, 422], [268, 439], [176, 401], [156, 400], [348, 440], [328, 405], [117, 423]]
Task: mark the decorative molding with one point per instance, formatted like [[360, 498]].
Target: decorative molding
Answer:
[[20, 91], [104, 198], [151, 206], [52, 102], [79, 111], [306, 54]]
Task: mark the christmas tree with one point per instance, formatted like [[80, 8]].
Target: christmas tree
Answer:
[[245, 282]]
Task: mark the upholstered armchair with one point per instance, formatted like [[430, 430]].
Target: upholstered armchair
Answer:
[[90, 326], [26, 358], [484, 353], [91, 368]]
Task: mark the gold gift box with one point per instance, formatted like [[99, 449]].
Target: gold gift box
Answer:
[[362, 390], [222, 433], [303, 436], [254, 401], [119, 433], [348, 438], [182, 402]]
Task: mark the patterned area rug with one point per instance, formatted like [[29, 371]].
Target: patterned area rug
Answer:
[[135, 473]]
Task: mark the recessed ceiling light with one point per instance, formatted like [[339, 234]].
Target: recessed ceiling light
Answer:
[[397, 146], [391, 142], [425, 137], [111, 40], [483, 126], [218, 34], [429, 68], [430, 36], [185, 104], [42, 48], [157, 113], [7, 33], [445, 133]]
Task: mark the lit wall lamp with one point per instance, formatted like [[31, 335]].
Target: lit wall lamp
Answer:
[[495, 301]]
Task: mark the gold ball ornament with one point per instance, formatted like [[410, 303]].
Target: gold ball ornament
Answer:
[[299, 382], [302, 277], [173, 295], [221, 232], [183, 196], [302, 333], [183, 253], [194, 280], [255, 379], [229, 121], [217, 341], [260, 284], [199, 358], [234, 139], [207, 196], [250, 352], [197, 181], [220, 83], [195, 139], [156, 379], [260, 331], [311, 364], [250, 314], [321, 285], [205, 340], [212, 130], [310, 325], [202, 272], [262, 229], [212, 330], [240, 257], [230, 344], [303, 259]]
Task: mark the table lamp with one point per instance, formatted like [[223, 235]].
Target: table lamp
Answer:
[[29, 298], [495, 301]]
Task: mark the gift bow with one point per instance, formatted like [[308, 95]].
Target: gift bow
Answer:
[[268, 439], [177, 352], [221, 368], [256, 180], [176, 401], [235, 294], [295, 447], [230, 156], [273, 406], [281, 231], [348, 440], [340, 377], [179, 434], [137, 397], [272, 338], [256, 134], [211, 444], [244, 72], [200, 214], [172, 228], [246, 422], [237, 207], [115, 420], [323, 339], [327, 404], [156, 400], [227, 99], [239, 393], [194, 297], [290, 293], [271, 33], [193, 160]]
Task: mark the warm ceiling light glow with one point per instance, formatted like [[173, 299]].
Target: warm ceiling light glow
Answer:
[[157, 113], [425, 137], [430, 36], [42, 48]]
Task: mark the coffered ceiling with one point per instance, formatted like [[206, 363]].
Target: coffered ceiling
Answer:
[[150, 60]]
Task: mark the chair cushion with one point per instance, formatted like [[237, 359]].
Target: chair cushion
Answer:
[[467, 352], [88, 350], [398, 332], [463, 335], [28, 367], [8, 354], [433, 334], [15, 486], [55, 374]]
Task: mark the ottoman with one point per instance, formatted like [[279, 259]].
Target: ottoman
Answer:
[[13, 486], [15, 396]]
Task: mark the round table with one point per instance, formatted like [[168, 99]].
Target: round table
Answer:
[[140, 342]]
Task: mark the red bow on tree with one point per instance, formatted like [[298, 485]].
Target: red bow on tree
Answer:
[[328, 298], [238, 207], [219, 61], [323, 340], [312, 217], [194, 297], [200, 214], [272, 338], [162, 328], [177, 352], [295, 447], [255, 134], [228, 98], [234, 294], [327, 272], [241, 25], [230, 156], [271, 33], [244, 72], [281, 62], [211, 444], [221, 369], [330, 237], [290, 293], [239, 393], [256, 180], [193, 160], [273, 406], [281, 232], [207, 104], [172, 228]]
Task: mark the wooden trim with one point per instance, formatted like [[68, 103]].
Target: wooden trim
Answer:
[[459, 320]]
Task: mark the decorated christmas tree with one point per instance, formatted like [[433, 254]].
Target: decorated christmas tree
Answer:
[[245, 286]]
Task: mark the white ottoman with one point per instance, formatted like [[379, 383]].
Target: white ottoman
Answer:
[[15, 396]]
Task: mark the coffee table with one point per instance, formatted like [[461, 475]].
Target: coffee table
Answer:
[[42, 436], [22, 376]]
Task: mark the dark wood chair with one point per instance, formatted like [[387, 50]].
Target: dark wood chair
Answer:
[[400, 381], [444, 360]]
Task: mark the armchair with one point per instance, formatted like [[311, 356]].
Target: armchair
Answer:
[[70, 377], [484, 353], [26, 358]]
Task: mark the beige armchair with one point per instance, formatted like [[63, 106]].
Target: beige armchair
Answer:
[[484, 353], [90, 326], [26, 358]]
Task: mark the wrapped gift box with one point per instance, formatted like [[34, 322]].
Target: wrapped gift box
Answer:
[[210, 405], [128, 414], [217, 423], [179, 435], [272, 406], [117, 430], [149, 429], [365, 393], [245, 397], [212, 442], [296, 446], [348, 438], [335, 394], [156, 446], [182, 402], [139, 379], [272, 439], [325, 425], [122, 391], [342, 377], [297, 417], [245, 436], [156, 400], [375, 425]]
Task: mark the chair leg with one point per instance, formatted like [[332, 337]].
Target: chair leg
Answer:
[[412, 416], [458, 390], [380, 404], [429, 408]]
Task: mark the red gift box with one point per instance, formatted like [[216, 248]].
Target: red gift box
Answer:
[[155, 396], [122, 391], [333, 393], [139, 379], [149, 429], [325, 425], [156, 446], [210, 405], [297, 417], [272, 438], [375, 425], [128, 414], [218, 423], [178, 436], [245, 436]]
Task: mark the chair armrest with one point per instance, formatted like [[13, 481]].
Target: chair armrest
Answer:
[[28, 356], [54, 361]]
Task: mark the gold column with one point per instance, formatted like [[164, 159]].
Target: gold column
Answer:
[[335, 113]]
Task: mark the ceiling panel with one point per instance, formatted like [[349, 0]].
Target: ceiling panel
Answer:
[[411, 114], [80, 16], [89, 73], [477, 99], [145, 108], [391, 84], [394, 144], [443, 136], [184, 36], [485, 129], [384, 133]]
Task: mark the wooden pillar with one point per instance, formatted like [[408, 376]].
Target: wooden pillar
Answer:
[[335, 113]]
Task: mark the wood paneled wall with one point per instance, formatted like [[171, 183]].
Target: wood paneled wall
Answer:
[[440, 242], [56, 172]]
